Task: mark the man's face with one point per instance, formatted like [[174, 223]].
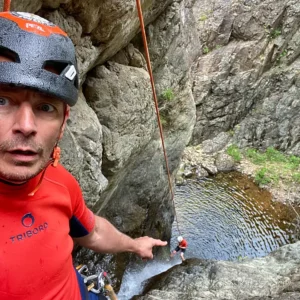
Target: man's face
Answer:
[[31, 123]]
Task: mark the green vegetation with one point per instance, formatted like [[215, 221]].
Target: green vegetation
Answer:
[[234, 152], [231, 132], [163, 119], [272, 165], [241, 258], [270, 154], [255, 156], [272, 33], [168, 94], [266, 175], [165, 106], [296, 177], [291, 162], [205, 50], [261, 177], [203, 18], [276, 165], [281, 55]]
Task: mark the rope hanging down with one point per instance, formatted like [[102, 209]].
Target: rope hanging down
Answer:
[[6, 6], [142, 25]]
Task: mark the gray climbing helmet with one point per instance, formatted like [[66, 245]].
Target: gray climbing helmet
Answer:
[[41, 56], [180, 239]]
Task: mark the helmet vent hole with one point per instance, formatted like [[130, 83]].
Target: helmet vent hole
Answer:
[[8, 55], [56, 67], [76, 83]]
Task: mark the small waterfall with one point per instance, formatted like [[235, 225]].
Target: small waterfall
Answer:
[[134, 277]]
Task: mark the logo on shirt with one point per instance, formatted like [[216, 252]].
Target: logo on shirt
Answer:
[[28, 221]]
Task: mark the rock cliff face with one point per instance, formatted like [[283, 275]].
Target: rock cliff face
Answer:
[[219, 66], [248, 80]]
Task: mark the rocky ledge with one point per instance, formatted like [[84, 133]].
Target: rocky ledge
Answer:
[[276, 276]]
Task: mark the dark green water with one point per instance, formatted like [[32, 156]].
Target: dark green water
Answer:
[[229, 217]]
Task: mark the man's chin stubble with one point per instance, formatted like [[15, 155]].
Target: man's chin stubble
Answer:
[[24, 175]]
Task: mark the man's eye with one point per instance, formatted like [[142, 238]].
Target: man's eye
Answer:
[[3, 101], [47, 108]]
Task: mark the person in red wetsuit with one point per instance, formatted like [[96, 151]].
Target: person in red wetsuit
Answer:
[[42, 210], [182, 245]]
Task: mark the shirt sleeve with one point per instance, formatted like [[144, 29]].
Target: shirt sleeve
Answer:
[[82, 221]]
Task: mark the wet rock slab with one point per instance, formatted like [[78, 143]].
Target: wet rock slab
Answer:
[[275, 276]]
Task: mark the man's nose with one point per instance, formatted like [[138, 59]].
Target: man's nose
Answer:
[[25, 121]]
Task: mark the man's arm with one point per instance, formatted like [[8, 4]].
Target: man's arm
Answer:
[[106, 238]]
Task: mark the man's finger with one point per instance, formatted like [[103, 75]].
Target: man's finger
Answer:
[[160, 243]]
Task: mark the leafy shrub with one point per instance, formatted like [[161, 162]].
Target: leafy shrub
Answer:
[[168, 94], [261, 177], [274, 33], [234, 152], [281, 55], [205, 50]]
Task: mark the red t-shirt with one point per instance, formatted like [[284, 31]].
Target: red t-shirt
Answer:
[[183, 244], [36, 237]]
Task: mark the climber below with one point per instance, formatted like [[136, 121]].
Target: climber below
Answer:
[[182, 245]]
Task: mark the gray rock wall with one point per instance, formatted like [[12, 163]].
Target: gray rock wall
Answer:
[[247, 80]]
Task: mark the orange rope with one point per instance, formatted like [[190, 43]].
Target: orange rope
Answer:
[[140, 13], [6, 6]]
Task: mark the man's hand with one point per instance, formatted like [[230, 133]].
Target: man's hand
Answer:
[[144, 246], [105, 238]]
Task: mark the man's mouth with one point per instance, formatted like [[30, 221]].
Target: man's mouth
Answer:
[[23, 155], [23, 152]]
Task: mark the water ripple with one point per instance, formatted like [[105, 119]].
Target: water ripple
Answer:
[[221, 221]]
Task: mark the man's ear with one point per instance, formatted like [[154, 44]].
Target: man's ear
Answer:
[[63, 126]]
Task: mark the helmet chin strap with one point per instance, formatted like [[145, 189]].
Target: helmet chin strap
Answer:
[[55, 156], [54, 161], [56, 149]]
